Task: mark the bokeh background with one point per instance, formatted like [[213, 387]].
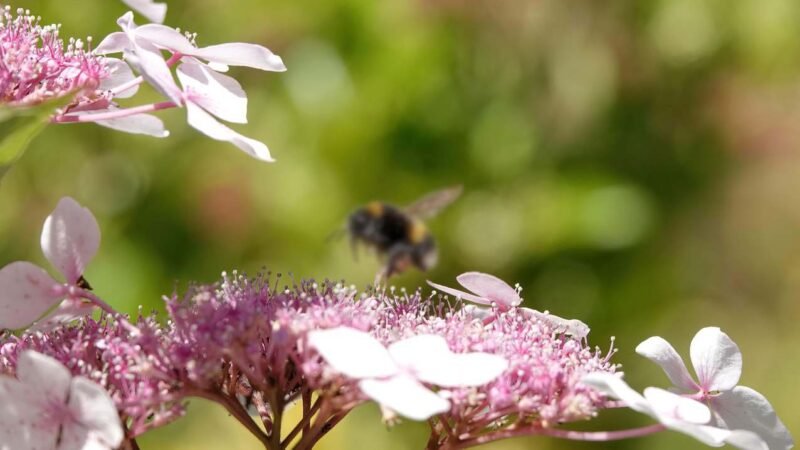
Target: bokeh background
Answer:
[[632, 164]]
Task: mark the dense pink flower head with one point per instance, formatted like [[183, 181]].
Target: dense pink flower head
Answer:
[[130, 364], [36, 66]]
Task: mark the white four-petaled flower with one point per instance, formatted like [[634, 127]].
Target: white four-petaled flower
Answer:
[[205, 93], [70, 239], [489, 290], [674, 412], [395, 377], [717, 362], [46, 408]]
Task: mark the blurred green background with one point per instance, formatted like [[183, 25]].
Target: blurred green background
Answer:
[[632, 164]]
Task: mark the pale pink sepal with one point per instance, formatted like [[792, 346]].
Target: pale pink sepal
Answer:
[[70, 238], [27, 293]]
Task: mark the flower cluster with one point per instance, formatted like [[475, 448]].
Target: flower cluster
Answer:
[[36, 66], [256, 345]]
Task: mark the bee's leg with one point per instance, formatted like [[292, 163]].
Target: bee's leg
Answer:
[[380, 276], [354, 247], [398, 260]]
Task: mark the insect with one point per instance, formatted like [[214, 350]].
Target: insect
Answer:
[[399, 234]]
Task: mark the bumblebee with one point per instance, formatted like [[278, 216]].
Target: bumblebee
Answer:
[[399, 234]]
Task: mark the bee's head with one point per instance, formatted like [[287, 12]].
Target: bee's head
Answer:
[[359, 221]]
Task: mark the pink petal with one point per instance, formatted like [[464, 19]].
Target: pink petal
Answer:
[[659, 351], [165, 37], [28, 292], [48, 376], [716, 359], [491, 287], [405, 396], [121, 73], [429, 358], [460, 294], [745, 409], [241, 54], [95, 413], [70, 238], [354, 353], [146, 124], [206, 124], [218, 94], [154, 12], [116, 42]]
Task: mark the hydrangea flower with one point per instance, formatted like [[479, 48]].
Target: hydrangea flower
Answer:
[[36, 66], [491, 291], [717, 362], [205, 93], [394, 376], [675, 412], [70, 240], [45, 408]]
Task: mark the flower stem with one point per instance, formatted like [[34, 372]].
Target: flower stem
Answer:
[[116, 114], [235, 409], [594, 436]]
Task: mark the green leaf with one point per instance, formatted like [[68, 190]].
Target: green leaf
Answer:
[[18, 128]]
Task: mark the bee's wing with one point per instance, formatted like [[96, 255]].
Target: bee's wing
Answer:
[[433, 203]]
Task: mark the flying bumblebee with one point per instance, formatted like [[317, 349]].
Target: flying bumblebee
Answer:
[[399, 234]]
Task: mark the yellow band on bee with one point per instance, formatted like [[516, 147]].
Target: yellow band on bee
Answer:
[[418, 232], [375, 209]]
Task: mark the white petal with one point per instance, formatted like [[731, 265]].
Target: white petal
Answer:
[[70, 238], [45, 374], [745, 409], [148, 61], [430, 360], [146, 58], [218, 94], [165, 37], [613, 386], [154, 12], [206, 124], [21, 426], [242, 54], [406, 396], [27, 293], [460, 294], [669, 404], [116, 42], [716, 359], [491, 287], [660, 351], [94, 410], [121, 73], [146, 124], [747, 440], [572, 327], [354, 353]]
